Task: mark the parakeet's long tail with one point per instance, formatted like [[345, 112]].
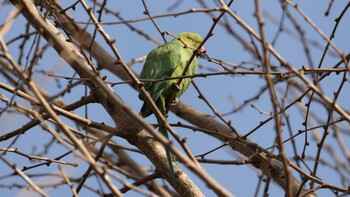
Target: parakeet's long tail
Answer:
[[164, 131]]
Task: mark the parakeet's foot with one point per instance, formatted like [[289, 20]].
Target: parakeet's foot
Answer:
[[174, 101], [176, 88]]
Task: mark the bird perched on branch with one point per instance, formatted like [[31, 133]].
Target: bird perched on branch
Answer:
[[164, 62]]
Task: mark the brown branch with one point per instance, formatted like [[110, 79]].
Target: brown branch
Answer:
[[124, 117]]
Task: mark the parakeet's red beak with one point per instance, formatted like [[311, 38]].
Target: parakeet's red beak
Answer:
[[202, 51]]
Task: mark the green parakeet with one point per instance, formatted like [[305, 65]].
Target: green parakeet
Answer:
[[169, 60]]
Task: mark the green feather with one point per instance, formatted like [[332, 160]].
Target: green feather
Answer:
[[168, 60]]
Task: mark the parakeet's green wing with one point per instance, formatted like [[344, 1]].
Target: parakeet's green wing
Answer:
[[160, 63]]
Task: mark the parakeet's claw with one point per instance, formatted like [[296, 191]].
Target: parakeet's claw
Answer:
[[174, 101], [178, 87]]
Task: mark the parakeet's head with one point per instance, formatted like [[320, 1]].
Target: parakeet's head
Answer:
[[192, 40]]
